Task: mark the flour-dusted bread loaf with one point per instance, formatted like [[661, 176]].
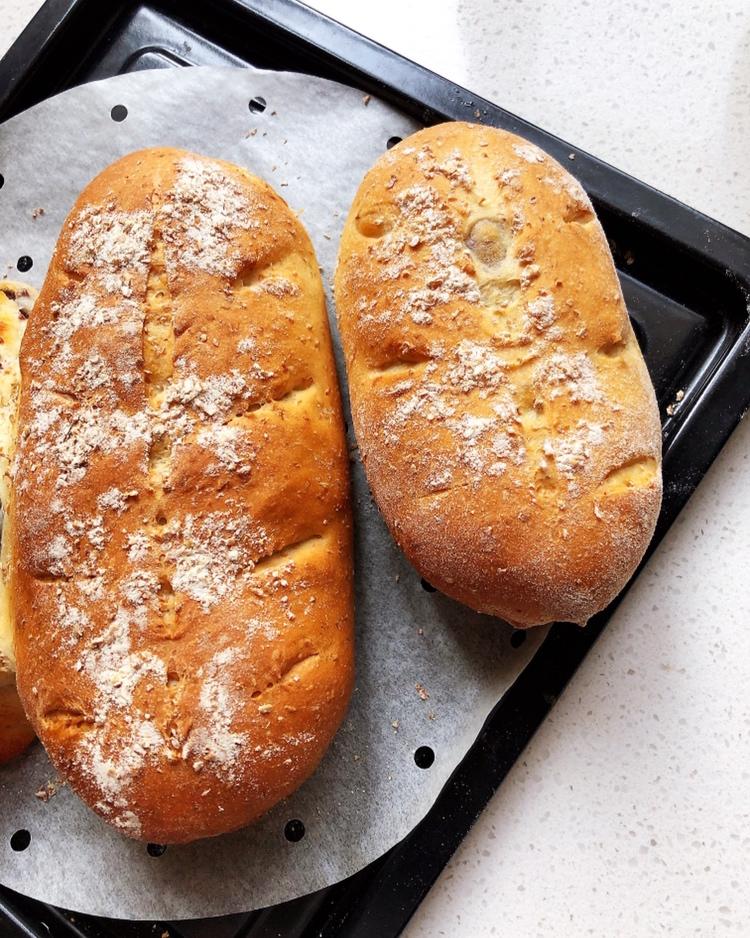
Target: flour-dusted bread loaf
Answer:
[[181, 532], [503, 411], [16, 301]]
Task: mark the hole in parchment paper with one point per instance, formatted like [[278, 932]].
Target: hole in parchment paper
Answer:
[[392, 141], [257, 104], [518, 638], [156, 850], [2, 180], [24, 263], [424, 756], [294, 830], [428, 587], [20, 840], [118, 113]]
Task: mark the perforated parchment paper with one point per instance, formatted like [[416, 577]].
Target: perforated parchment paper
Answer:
[[428, 670]]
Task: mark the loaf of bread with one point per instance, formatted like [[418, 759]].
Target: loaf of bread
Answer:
[[181, 563], [503, 410], [16, 301]]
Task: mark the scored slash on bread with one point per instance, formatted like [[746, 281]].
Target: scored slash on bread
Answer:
[[16, 301], [503, 410], [181, 563]]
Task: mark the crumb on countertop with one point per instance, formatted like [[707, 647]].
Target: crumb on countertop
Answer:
[[672, 408]]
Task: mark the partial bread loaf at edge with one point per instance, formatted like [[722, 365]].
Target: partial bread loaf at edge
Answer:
[[16, 300], [181, 532], [503, 410]]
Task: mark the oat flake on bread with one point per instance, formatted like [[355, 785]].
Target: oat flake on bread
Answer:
[[180, 522], [502, 407]]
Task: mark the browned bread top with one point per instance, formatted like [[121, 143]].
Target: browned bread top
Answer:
[[181, 525], [502, 407]]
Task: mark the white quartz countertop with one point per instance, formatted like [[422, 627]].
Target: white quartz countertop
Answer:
[[629, 813]]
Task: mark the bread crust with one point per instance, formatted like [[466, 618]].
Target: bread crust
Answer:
[[16, 301], [181, 553], [16, 734], [503, 410]]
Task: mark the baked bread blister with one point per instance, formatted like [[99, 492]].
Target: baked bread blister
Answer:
[[16, 301], [181, 534], [503, 410]]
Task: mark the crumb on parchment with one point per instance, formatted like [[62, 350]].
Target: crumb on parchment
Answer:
[[49, 789]]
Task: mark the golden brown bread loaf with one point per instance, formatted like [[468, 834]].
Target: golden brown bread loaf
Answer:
[[16, 300], [181, 532], [503, 410]]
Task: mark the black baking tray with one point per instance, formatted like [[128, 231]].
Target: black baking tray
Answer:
[[685, 279]]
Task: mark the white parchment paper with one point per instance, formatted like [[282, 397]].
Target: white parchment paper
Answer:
[[313, 143]]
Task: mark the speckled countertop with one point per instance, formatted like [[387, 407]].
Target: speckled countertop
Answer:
[[629, 814]]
